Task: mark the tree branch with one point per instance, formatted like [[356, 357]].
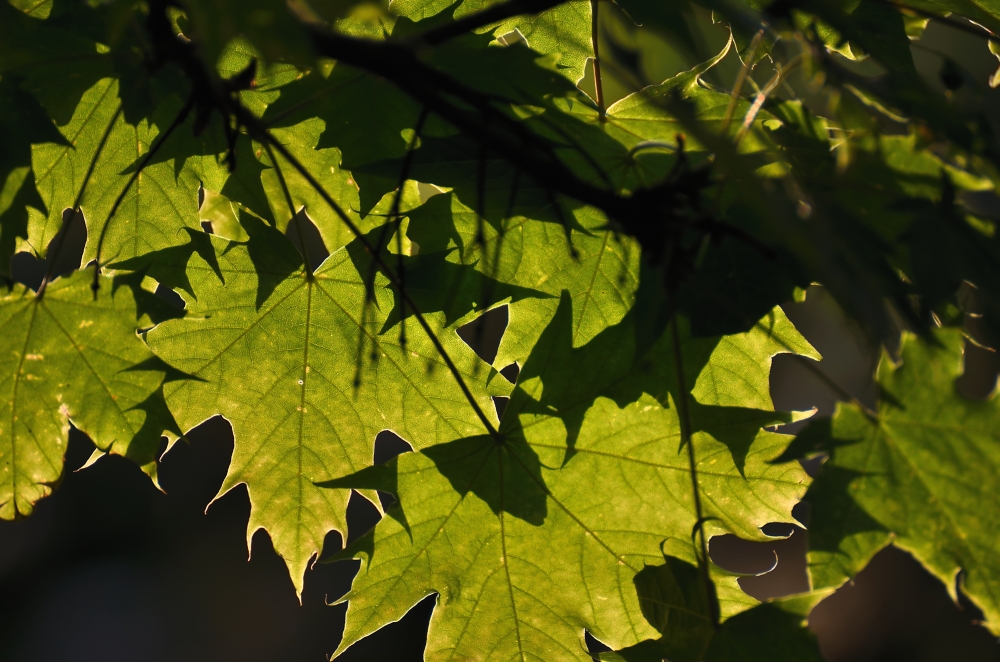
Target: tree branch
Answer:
[[508, 138]]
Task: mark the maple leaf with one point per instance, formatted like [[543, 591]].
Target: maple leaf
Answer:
[[920, 473], [534, 535], [307, 375]]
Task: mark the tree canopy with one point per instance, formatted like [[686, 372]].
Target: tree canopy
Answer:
[[293, 211]]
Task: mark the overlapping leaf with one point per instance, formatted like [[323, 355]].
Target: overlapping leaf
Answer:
[[92, 161], [523, 546], [308, 377], [22, 122], [598, 268], [324, 164]]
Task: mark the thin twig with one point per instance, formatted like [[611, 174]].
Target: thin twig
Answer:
[[392, 220], [476, 115], [480, 239], [291, 210], [762, 95], [395, 218], [157, 143], [740, 80], [508, 214], [282, 114], [684, 415]]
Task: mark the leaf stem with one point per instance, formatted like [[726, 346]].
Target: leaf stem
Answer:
[[501, 233], [684, 415], [761, 97], [594, 34]]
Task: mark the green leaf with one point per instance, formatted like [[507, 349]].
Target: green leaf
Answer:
[[36, 8], [108, 111], [524, 548], [239, 54], [922, 474], [223, 215], [562, 31], [94, 164], [275, 350], [994, 47], [72, 359], [983, 12], [644, 327]]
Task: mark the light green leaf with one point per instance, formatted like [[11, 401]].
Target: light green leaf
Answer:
[[269, 76], [564, 30], [274, 351], [223, 215], [524, 547], [736, 374], [362, 133], [71, 359], [162, 199]]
